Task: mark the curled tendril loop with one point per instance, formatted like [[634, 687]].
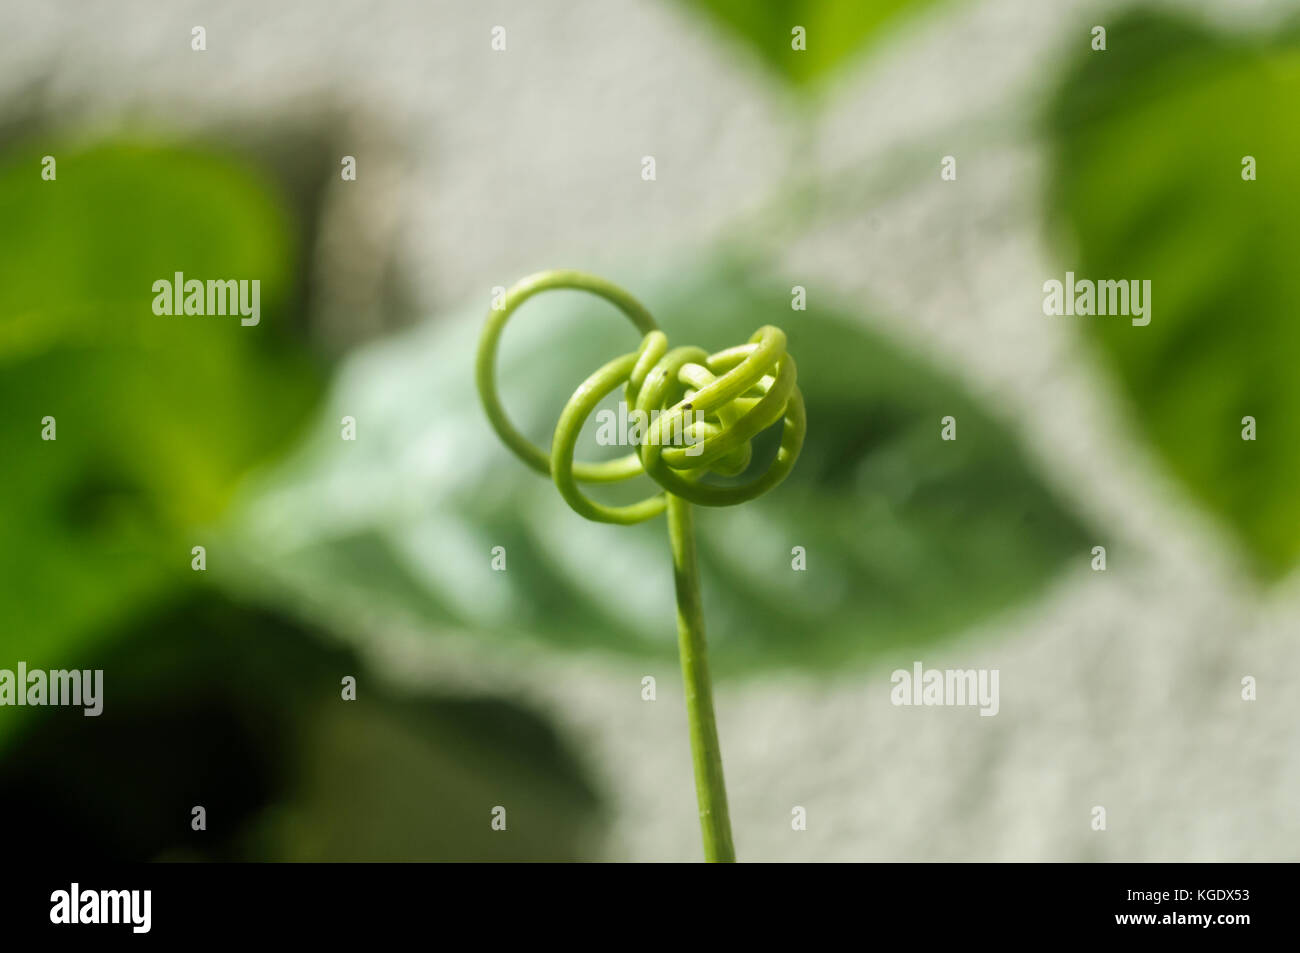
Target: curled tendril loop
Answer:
[[700, 410]]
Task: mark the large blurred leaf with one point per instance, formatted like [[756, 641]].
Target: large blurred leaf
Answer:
[[418, 780], [907, 537], [156, 416], [240, 711], [1148, 143], [835, 30]]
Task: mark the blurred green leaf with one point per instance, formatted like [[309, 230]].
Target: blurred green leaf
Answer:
[[1148, 140], [157, 417], [908, 537], [256, 731], [835, 30], [418, 779]]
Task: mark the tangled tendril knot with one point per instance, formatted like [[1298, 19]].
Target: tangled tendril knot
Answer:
[[702, 410]]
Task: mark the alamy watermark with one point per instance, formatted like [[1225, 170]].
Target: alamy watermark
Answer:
[[213, 297], [58, 687], [946, 687], [130, 907], [1087, 297], [631, 428]]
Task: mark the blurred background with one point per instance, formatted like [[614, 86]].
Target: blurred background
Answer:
[[774, 168]]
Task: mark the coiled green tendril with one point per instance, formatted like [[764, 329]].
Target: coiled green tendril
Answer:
[[711, 404]]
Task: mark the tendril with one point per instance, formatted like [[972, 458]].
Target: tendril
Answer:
[[703, 410], [714, 404]]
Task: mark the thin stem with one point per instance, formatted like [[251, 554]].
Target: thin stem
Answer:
[[706, 754]]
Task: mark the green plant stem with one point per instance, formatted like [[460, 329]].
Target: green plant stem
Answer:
[[706, 754]]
